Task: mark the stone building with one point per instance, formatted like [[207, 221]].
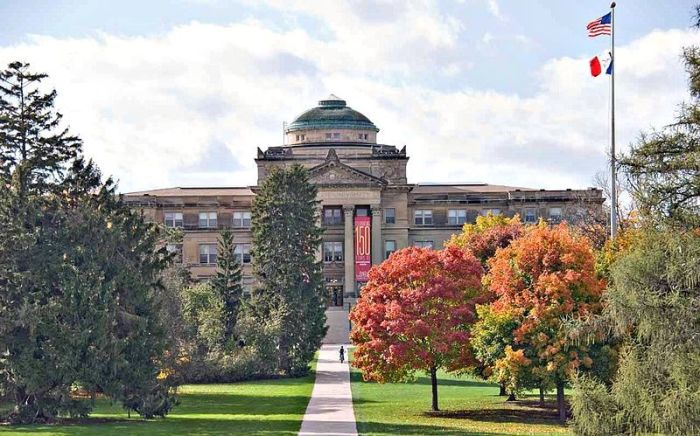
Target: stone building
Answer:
[[368, 207]]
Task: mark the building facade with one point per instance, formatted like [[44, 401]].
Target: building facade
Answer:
[[368, 207]]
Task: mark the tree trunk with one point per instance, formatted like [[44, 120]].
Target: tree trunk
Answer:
[[502, 392], [560, 402], [541, 396], [433, 381]]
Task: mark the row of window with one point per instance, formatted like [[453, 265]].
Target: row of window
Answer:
[[332, 251], [209, 252], [208, 220], [334, 216], [424, 217]]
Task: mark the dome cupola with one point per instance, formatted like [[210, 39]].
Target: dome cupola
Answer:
[[331, 121]]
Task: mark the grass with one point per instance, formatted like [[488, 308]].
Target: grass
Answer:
[[262, 407], [468, 407]]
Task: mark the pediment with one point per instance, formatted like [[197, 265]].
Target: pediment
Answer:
[[334, 172]]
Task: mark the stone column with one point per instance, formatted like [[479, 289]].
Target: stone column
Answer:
[[349, 246], [377, 255]]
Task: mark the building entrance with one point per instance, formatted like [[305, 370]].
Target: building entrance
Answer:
[[336, 294]]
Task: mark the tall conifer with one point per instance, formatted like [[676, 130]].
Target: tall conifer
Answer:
[[286, 237], [227, 281]]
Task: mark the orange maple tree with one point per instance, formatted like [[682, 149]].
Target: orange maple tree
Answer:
[[414, 315], [546, 276]]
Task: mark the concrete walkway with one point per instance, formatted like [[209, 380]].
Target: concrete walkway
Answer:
[[330, 410]]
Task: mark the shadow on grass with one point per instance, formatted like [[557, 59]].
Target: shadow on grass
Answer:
[[504, 415], [168, 426], [383, 428]]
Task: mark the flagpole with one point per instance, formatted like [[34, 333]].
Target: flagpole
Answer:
[[613, 194]]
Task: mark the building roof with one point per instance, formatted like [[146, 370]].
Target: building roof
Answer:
[[331, 113], [184, 192], [464, 188]]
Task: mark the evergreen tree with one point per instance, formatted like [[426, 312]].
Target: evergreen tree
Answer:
[[34, 148], [286, 237], [78, 271], [227, 282]]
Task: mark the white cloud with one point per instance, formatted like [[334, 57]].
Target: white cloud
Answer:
[[158, 111], [495, 10]]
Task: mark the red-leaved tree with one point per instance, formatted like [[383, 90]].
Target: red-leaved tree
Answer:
[[544, 277], [414, 315]]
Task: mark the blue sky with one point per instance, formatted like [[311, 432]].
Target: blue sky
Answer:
[[486, 90]]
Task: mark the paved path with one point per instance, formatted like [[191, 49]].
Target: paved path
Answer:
[[330, 410]]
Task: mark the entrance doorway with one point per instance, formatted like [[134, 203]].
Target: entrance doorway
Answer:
[[336, 294]]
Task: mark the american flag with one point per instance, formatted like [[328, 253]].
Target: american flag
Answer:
[[600, 26]]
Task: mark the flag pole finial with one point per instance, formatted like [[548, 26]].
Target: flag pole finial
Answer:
[[612, 5]]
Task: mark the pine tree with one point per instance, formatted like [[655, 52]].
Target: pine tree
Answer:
[[227, 282], [34, 148], [79, 270], [286, 236]]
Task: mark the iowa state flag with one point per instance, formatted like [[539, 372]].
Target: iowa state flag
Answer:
[[602, 63]]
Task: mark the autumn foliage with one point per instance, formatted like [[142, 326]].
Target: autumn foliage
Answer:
[[414, 314], [546, 276], [487, 235]]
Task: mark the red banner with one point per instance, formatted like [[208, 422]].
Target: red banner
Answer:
[[363, 257]]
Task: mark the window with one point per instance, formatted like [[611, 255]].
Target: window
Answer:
[[359, 136], [332, 251], [390, 215], [332, 216], [207, 254], [328, 136], [173, 219], [423, 217], [389, 247], [530, 216], [456, 217], [336, 136], [494, 212], [207, 220], [423, 244], [555, 214], [241, 252], [177, 250], [241, 219]]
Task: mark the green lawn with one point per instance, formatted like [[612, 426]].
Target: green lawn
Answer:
[[272, 407], [469, 407]]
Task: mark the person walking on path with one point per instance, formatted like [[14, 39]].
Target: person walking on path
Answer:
[[342, 354], [330, 411]]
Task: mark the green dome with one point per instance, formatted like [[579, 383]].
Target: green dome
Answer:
[[332, 113]]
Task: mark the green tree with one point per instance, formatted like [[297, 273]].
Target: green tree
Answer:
[[204, 311], [653, 306], [286, 237], [34, 148], [78, 271], [227, 282]]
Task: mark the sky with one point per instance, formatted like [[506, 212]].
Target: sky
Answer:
[[183, 92]]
